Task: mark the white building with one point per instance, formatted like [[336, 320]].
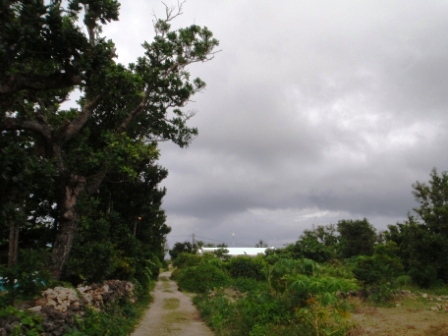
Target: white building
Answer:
[[236, 251]]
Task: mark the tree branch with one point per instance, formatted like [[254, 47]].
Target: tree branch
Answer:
[[17, 82], [135, 112], [10, 124], [69, 130]]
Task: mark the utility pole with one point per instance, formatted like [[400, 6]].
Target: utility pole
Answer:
[[192, 239]]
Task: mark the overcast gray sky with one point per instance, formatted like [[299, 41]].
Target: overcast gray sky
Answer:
[[314, 111]]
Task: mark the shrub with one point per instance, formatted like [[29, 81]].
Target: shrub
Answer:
[[202, 278], [273, 329], [185, 259], [245, 285], [27, 278], [247, 267], [249, 313], [423, 275], [21, 322], [316, 319]]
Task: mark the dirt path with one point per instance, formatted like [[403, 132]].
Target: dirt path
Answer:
[[171, 313]]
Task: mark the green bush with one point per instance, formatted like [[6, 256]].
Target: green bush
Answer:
[[247, 267], [245, 285], [226, 317], [423, 275], [202, 278], [273, 329], [147, 270], [185, 259], [26, 323], [27, 278]]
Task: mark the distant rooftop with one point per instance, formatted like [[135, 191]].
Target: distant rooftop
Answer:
[[236, 251]]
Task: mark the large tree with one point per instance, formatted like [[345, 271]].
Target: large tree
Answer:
[[320, 244], [423, 239], [356, 237], [433, 202], [123, 110]]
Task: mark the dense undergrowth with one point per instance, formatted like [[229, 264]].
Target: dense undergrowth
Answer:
[[278, 294], [267, 296]]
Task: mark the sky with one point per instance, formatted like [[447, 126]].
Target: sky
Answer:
[[314, 111]]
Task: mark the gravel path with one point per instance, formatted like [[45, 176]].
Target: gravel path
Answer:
[[171, 313]]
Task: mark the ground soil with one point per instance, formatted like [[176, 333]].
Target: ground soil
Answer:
[[411, 316], [171, 313]]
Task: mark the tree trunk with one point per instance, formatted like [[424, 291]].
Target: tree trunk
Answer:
[[68, 224], [13, 244]]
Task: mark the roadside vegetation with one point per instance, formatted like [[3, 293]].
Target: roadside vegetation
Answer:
[[341, 279]]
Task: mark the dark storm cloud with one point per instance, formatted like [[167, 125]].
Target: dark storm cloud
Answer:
[[314, 111]]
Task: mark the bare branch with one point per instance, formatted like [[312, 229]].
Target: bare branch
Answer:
[[69, 130], [170, 10], [170, 15]]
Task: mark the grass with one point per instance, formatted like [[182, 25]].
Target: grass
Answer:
[[166, 284], [176, 317], [171, 303], [411, 316]]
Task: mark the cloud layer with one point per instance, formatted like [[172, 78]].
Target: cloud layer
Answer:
[[314, 111]]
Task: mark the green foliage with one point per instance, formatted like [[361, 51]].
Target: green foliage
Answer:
[[185, 259], [118, 320], [240, 317], [243, 266], [324, 289], [297, 297], [27, 278], [317, 319], [92, 247], [185, 247], [320, 244], [222, 254], [290, 251], [421, 251], [357, 237], [202, 278], [276, 274], [107, 142], [378, 273], [274, 329], [27, 323], [245, 285], [423, 242], [432, 198]]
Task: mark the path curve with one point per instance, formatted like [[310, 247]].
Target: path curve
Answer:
[[172, 313]]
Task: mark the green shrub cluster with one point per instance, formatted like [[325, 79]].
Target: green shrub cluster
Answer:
[[202, 278], [117, 320], [251, 296], [185, 259], [247, 267]]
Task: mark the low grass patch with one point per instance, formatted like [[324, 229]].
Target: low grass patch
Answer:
[[176, 317], [171, 303], [412, 316]]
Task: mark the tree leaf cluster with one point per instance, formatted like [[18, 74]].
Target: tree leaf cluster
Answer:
[[85, 178]]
